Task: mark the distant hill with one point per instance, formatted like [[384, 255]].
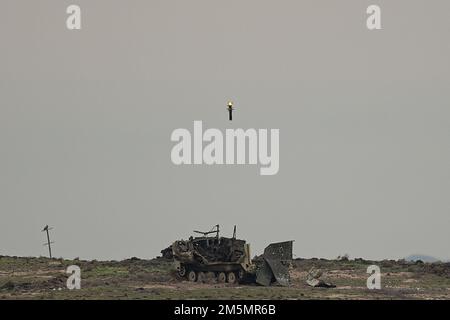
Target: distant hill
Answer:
[[424, 258]]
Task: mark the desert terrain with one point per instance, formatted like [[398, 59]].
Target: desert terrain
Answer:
[[44, 278]]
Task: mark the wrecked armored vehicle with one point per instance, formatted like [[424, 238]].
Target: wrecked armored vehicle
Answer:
[[223, 259]]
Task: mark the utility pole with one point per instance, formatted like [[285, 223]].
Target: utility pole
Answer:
[[46, 228]]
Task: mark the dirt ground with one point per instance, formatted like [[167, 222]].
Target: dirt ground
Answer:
[[43, 278]]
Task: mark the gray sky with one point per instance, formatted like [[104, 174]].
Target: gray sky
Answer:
[[86, 118]]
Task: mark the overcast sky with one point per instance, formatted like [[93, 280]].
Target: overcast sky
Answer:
[[86, 118]]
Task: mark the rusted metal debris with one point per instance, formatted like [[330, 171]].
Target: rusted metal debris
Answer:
[[275, 264], [313, 279]]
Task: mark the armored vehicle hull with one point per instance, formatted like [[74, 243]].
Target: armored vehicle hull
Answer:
[[228, 260]]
